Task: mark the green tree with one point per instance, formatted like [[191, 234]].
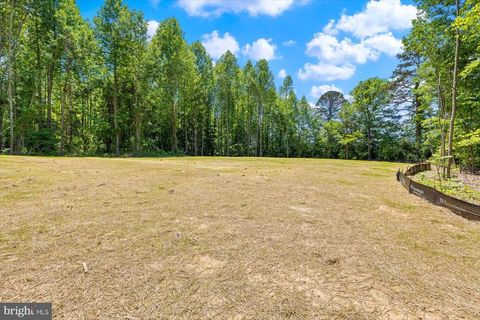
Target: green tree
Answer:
[[248, 122], [306, 128], [350, 129], [371, 99], [15, 15], [114, 32], [288, 104], [171, 67], [406, 88], [329, 104], [203, 116], [226, 92], [265, 98]]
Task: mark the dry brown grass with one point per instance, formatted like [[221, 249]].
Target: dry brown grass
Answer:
[[201, 238]]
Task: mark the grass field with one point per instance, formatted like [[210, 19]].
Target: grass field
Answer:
[[238, 238]]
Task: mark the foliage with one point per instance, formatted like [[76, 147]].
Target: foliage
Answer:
[[452, 187], [71, 87], [329, 104]]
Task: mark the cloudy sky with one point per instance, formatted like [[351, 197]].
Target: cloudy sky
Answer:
[[322, 44]]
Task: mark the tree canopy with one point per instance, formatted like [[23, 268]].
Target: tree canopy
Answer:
[[68, 86]]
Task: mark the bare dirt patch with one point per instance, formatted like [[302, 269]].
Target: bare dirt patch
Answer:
[[240, 238]]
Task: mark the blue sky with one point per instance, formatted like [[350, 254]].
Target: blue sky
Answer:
[[322, 44]]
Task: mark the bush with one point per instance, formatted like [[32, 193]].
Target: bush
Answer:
[[41, 141]]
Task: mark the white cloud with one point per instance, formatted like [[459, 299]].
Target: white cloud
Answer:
[[207, 8], [337, 57], [217, 45], [378, 17], [330, 28], [327, 48], [154, 3], [260, 49], [282, 74], [152, 26], [326, 72], [317, 91], [289, 43], [384, 43]]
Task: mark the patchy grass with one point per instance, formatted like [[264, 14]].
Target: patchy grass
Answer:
[[400, 205], [230, 238], [3, 238]]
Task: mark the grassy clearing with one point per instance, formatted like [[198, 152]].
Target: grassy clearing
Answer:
[[230, 238]]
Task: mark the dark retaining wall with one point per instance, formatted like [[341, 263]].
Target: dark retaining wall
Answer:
[[460, 207]]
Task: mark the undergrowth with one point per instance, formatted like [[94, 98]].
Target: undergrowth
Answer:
[[451, 187]]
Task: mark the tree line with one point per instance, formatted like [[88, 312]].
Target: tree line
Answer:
[[70, 86], [438, 80]]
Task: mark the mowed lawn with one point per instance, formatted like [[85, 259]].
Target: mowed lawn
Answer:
[[230, 238]]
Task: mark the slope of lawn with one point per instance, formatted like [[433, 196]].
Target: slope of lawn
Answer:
[[230, 238]]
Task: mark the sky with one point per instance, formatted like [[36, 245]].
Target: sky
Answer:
[[322, 44]]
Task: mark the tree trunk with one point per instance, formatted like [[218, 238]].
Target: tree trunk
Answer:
[[10, 79], [286, 136], [441, 117], [228, 133], [369, 138], [1, 128], [174, 125], [418, 122], [65, 95], [83, 123], [49, 94], [260, 132], [11, 45], [62, 118], [454, 96], [39, 78], [69, 114], [185, 135], [51, 75], [138, 124], [203, 136], [115, 110], [195, 138]]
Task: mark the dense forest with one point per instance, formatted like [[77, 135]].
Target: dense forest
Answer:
[[72, 86]]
